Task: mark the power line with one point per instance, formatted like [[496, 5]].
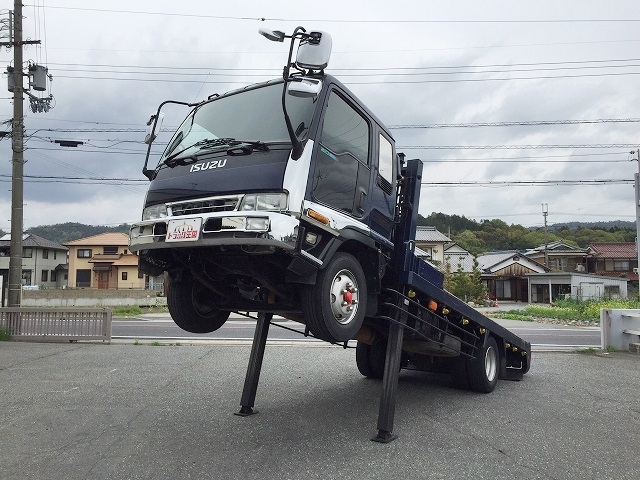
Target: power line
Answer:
[[511, 147], [528, 183], [329, 20], [519, 124], [479, 183], [381, 82], [558, 65]]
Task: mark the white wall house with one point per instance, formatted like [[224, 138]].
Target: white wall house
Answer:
[[44, 263]]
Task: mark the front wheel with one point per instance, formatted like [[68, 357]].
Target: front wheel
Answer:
[[190, 307], [334, 308]]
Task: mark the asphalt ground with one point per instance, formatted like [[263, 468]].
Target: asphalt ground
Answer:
[[93, 411]]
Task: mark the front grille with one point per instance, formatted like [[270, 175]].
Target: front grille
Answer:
[[208, 205]]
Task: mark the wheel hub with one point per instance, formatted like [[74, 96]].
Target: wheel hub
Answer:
[[490, 364], [344, 297]]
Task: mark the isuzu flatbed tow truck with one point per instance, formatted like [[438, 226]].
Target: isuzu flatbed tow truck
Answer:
[[288, 198]]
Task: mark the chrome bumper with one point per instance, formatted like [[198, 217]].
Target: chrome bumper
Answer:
[[271, 229]]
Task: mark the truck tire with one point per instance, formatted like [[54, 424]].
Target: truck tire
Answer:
[[482, 371], [189, 311], [334, 308], [370, 359]]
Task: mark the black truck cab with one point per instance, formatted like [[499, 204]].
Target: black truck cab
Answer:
[[258, 191]]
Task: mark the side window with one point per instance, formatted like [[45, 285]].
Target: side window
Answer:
[[344, 131], [385, 165], [342, 154]]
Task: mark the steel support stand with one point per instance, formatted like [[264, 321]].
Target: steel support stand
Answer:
[[390, 384], [255, 365]]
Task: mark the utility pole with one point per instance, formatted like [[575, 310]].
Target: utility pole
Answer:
[[17, 163], [637, 187], [17, 159], [545, 212]]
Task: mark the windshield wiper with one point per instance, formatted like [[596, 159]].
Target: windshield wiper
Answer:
[[206, 144]]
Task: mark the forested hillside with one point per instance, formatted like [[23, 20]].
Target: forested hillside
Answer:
[[476, 237], [65, 232], [490, 235]]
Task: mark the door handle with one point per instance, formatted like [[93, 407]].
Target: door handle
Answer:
[[361, 201]]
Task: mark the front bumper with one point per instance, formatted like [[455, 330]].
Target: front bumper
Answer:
[[274, 230]]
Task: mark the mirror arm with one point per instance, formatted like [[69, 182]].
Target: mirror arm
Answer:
[[296, 144], [147, 172]]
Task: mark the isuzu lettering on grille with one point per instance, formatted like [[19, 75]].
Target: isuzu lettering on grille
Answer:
[[201, 167]]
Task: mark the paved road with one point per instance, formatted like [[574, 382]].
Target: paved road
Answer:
[[87, 411], [161, 327]]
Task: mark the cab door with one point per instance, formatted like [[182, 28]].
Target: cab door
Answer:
[[342, 168]]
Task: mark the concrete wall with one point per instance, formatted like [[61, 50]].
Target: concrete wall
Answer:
[[619, 328], [87, 297]]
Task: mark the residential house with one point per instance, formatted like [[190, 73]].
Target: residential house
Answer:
[[560, 256], [432, 243], [103, 261], [458, 258], [44, 263], [505, 274], [613, 259], [549, 287]]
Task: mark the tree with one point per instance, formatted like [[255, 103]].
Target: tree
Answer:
[[470, 242], [467, 287]]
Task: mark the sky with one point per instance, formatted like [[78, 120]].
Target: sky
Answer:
[[514, 107]]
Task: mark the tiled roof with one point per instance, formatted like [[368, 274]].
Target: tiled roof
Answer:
[[31, 240], [557, 246], [488, 260], [430, 234], [110, 238], [613, 250]]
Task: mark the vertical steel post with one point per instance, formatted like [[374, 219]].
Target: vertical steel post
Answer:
[[255, 365], [389, 396]]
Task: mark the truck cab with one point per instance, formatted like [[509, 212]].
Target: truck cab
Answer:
[[278, 197]]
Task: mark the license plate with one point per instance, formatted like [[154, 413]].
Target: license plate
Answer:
[[187, 230]]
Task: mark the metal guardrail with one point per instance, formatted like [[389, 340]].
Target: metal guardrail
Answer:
[[57, 325]]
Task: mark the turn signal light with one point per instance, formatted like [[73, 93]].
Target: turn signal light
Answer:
[[318, 216]]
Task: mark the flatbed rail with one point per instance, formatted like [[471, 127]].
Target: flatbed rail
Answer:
[[428, 325]]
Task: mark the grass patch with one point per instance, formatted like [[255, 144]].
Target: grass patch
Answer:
[[129, 311], [4, 335], [134, 310], [567, 310], [588, 351]]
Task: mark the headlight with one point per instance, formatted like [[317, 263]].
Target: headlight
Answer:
[[155, 211], [264, 201]]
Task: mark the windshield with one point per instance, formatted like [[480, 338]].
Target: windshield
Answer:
[[249, 115]]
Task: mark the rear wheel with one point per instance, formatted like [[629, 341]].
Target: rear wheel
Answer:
[[482, 371], [190, 306], [334, 308], [370, 359]]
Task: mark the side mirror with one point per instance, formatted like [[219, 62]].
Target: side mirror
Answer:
[[153, 126], [314, 51], [304, 87], [273, 35]]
